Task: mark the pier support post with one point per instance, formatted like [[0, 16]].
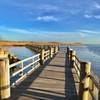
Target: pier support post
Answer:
[[72, 57], [55, 49], [42, 57], [4, 76], [84, 80], [51, 52]]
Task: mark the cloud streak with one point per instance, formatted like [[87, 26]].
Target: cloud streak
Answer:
[[92, 16], [29, 35], [52, 34], [90, 32], [47, 18]]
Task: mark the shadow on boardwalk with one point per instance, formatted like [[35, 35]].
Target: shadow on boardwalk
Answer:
[[71, 83], [21, 89], [58, 86], [32, 87]]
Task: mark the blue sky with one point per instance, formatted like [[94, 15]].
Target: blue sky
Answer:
[[50, 20]]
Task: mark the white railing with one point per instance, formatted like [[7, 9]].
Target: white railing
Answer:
[[24, 67], [19, 70]]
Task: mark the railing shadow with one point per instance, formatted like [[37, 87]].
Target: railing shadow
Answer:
[[16, 91], [25, 90], [70, 87]]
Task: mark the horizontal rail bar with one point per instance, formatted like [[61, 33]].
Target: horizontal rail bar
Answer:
[[46, 52], [95, 82], [77, 59], [20, 70], [23, 76], [92, 95], [77, 66], [19, 62]]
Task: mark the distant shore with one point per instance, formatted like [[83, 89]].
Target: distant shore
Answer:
[[23, 43]]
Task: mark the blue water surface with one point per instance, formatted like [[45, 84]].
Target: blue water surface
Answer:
[[90, 53]]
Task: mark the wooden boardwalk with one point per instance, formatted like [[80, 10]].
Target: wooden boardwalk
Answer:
[[54, 81]]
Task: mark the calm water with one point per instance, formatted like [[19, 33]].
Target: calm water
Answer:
[[21, 52], [90, 53]]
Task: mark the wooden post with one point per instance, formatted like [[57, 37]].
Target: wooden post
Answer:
[[42, 57], [72, 57], [84, 80], [51, 52], [58, 47], [4, 76], [55, 49]]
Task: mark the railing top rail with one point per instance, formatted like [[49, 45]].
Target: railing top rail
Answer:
[[14, 64], [25, 67], [47, 51], [77, 59], [95, 82]]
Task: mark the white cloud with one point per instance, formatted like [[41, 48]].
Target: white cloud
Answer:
[[30, 34], [48, 7], [83, 34], [17, 30], [87, 16], [92, 16], [48, 34], [89, 32], [47, 18], [92, 11], [23, 31], [97, 5], [97, 16]]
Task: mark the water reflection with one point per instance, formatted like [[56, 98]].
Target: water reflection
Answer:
[[21, 52]]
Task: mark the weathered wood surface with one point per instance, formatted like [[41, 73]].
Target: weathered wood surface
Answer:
[[54, 81]]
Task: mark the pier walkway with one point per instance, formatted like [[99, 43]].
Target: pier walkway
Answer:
[[52, 81]]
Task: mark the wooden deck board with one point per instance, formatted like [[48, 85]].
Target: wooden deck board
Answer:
[[50, 82]]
